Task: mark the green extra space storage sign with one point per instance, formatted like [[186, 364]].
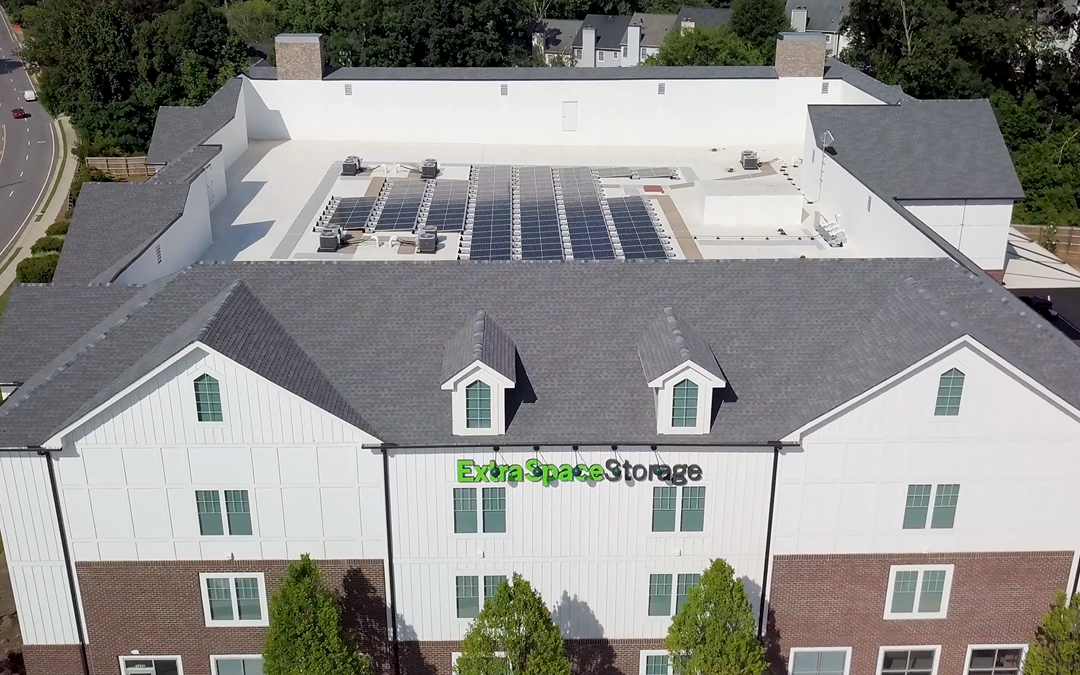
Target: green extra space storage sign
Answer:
[[535, 471]]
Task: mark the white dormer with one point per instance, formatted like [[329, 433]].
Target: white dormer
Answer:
[[479, 369], [683, 373]]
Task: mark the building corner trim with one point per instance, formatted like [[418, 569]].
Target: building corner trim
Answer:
[[390, 564]]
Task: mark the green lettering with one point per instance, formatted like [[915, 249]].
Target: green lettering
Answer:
[[551, 473], [465, 471], [582, 472], [533, 470], [566, 473], [514, 474], [596, 472]]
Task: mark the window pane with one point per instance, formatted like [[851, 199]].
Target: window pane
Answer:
[[208, 504], [478, 406], [494, 509], [684, 404], [207, 399], [693, 509], [166, 667], [904, 587], [238, 510], [819, 663], [945, 506], [468, 597], [247, 599], [950, 388], [491, 586], [659, 595], [995, 662], [682, 590], [253, 666], [464, 510], [656, 665], [220, 596], [921, 663], [895, 662], [230, 667], [933, 585], [663, 504], [918, 502]]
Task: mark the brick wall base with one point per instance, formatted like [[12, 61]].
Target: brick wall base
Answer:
[[53, 660], [839, 601], [156, 608], [587, 657]]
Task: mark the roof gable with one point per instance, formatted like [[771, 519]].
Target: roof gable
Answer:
[[480, 340], [668, 343]]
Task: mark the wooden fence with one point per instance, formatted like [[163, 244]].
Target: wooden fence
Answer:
[[124, 167], [1068, 240]]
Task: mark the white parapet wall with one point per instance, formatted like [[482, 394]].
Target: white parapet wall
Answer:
[[749, 199]]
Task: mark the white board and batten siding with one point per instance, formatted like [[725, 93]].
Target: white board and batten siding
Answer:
[[35, 557], [1015, 456], [587, 548], [128, 481]]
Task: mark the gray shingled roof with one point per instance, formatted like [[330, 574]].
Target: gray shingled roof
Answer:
[[821, 15], [704, 16], [112, 225], [180, 128], [831, 329], [187, 166], [668, 343], [610, 31], [558, 33], [886, 93], [480, 339], [654, 27], [519, 74], [922, 149]]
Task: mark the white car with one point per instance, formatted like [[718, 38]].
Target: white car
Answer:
[[29, 95]]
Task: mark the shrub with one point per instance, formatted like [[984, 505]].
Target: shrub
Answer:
[[47, 244], [86, 174], [58, 229], [38, 269]]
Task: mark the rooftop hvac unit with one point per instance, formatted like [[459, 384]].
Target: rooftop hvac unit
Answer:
[[427, 242], [351, 166], [328, 241], [429, 169], [749, 160]]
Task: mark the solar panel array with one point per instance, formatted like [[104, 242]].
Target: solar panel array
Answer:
[[589, 237], [537, 216], [351, 213], [636, 228], [635, 172], [490, 217], [400, 205], [612, 172], [449, 201]]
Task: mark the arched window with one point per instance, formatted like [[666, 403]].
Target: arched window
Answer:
[[208, 399], [950, 387], [684, 404], [478, 406]]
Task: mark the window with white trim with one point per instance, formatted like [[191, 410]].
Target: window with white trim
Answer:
[[917, 506], [950, 389], [151, 665], [665, 505], [208, 399], [237, 665], [237, 512], [655, 662], [599, 55], [819, 661], [918, 591], [907, 661], [995, 660], [234, 599]]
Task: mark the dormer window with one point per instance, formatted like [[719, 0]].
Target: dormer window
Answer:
[[684, 399], [208, 399], [479, 369], [478, 406]]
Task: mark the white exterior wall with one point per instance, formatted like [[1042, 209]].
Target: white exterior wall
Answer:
[[588, 549], [978, 227], [1015, 456], [128, 481], [35, 558], [233, 137], [187, 239], [698, 113]]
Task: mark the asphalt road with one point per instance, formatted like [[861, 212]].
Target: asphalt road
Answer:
[[27, 146]]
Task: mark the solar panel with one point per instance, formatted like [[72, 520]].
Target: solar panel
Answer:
[[654, 172], [492, 213], [612, 171], [589, 238], [538, 214], [636, 229], [352, 212], [449, 201], [401, 206]]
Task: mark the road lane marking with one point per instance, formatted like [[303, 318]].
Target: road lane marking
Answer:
[[28, 156], [42, 141], [11, 193], [3, 142], [21, 174]]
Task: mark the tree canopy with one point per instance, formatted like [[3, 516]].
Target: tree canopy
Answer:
[[759, 22], [1056, 649], [514, 633], [714, 632], [705, 46]]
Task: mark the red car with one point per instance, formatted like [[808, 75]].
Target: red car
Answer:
[[18, 113]]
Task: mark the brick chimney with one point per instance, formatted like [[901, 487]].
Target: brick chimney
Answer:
[[299, 56], [800, 55]]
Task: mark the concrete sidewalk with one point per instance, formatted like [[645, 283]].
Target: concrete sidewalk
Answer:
[[52, 208]]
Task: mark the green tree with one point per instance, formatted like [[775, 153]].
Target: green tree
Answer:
[[714, 632], [517, 623], [1056, 650], [705, 46], [758, 22], [305, 635], [254, 20]]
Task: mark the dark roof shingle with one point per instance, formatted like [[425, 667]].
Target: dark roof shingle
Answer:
[[180, 128]]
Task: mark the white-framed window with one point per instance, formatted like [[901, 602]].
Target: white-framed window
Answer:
[[151, 665], [577, 54], [478, 401], [918, 591], [666, 505], [599, 55], [664, 587], [995, 659], [237, 512], [819, 661], [624, 51], [950, 389], [472, 591], [234, 599], [208, 398], [917, 507], [236, 664], [918, 660], [655, 662], [615, 55]]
